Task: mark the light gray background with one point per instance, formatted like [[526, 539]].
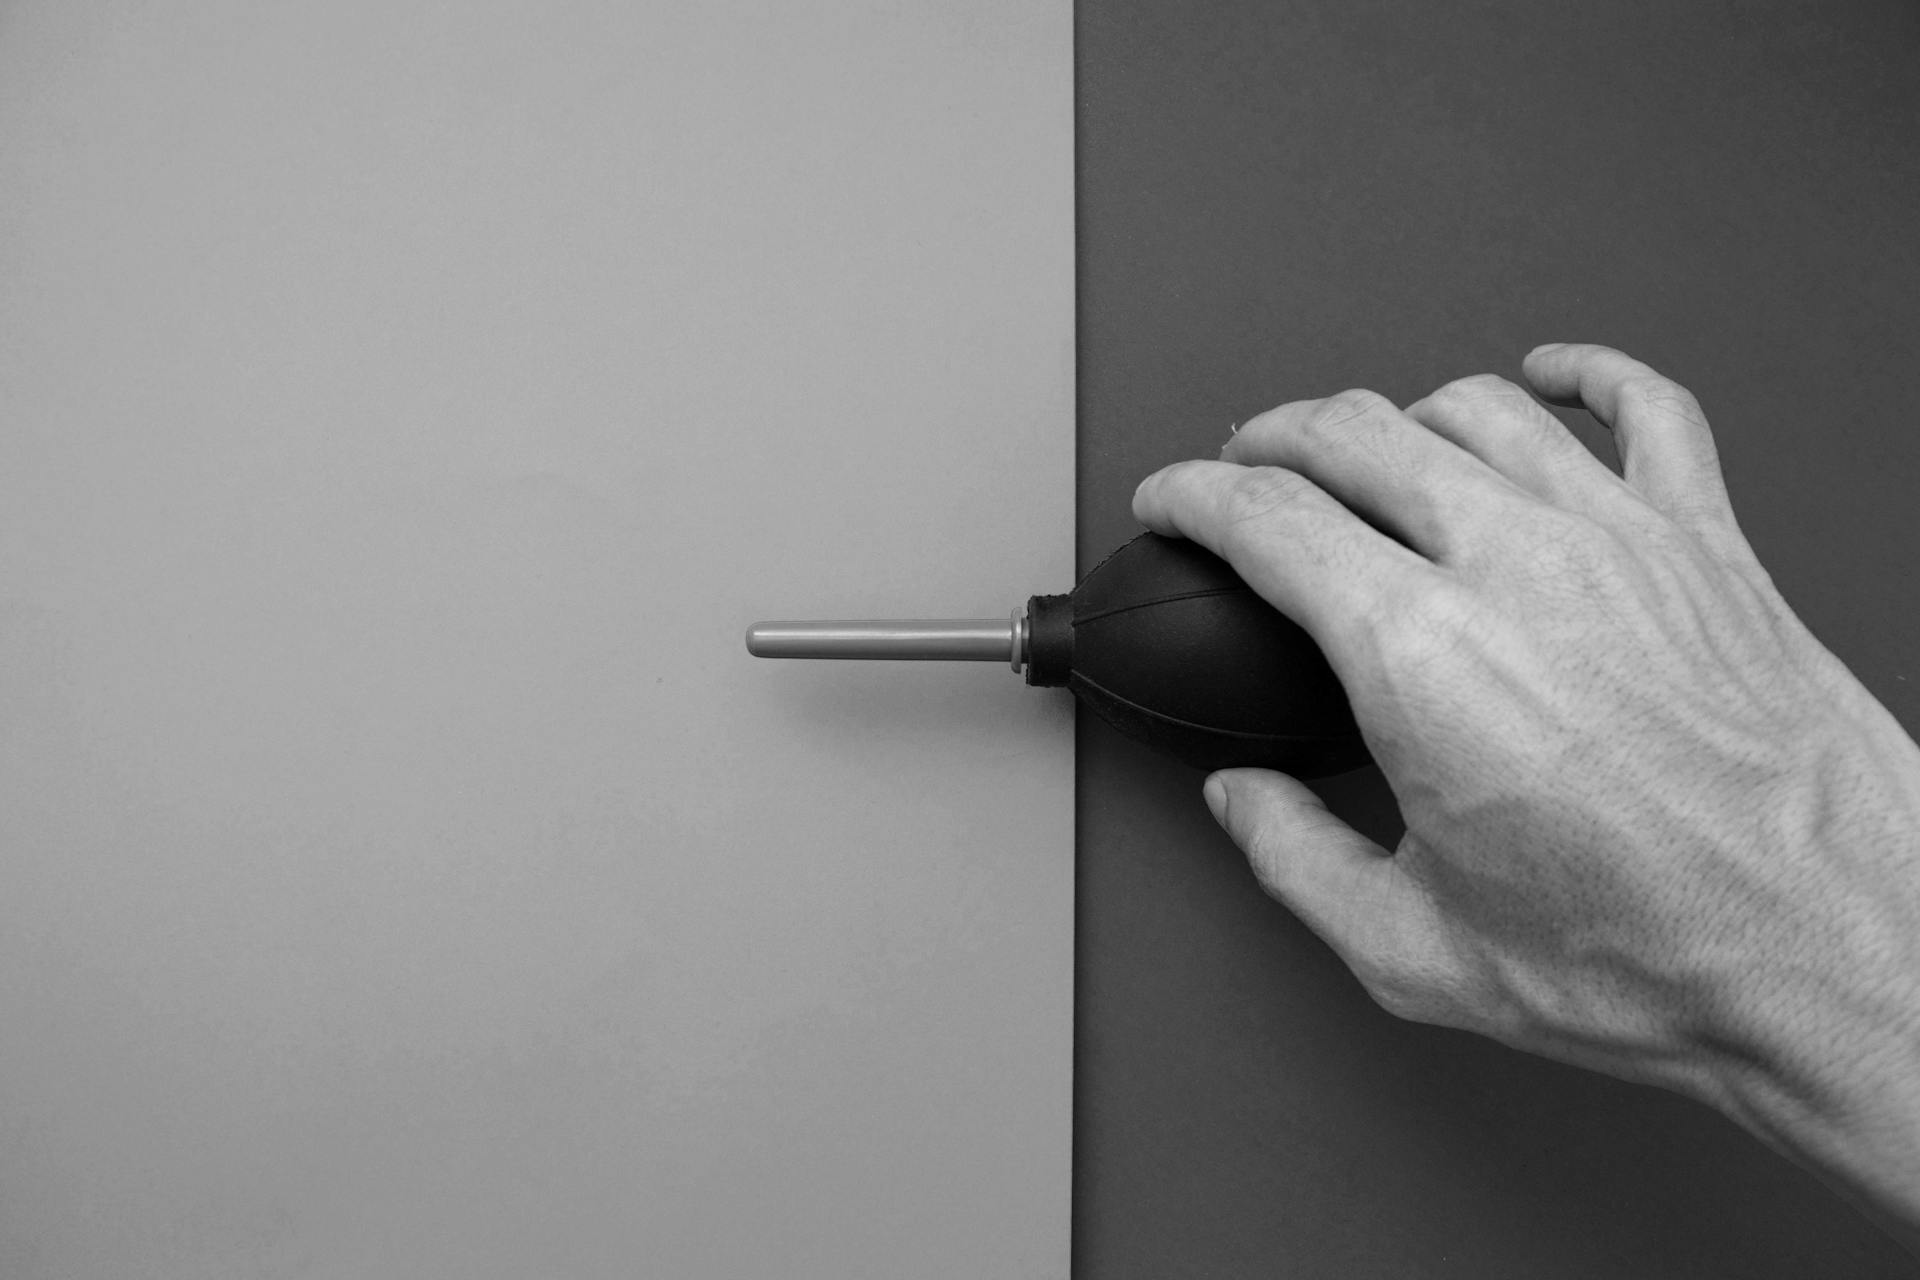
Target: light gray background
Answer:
[[404, 407]]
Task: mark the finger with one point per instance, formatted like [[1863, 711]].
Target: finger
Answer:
[[1343, 886], [1428, 492], [1666, 449], [1303, 552], [1499, 423]]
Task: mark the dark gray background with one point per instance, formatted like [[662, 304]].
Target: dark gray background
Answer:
[[1279, 200]]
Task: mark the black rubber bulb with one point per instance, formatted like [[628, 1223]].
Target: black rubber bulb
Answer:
[[1166, 643]]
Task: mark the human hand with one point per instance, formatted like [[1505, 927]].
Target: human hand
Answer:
[[1653, 826]]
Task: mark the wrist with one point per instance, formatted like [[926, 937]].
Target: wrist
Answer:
[[1821, 1046], [1840, 1097]]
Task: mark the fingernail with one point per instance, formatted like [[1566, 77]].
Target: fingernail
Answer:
[[1215, 793], [1546, 346]]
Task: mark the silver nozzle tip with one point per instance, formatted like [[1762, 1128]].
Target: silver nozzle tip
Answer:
[[931, 639]]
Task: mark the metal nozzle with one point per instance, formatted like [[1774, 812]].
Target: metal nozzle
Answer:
[[919, 640]]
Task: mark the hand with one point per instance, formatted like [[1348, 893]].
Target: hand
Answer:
[[1653, 827]]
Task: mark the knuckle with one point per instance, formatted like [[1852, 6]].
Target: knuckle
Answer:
[[1663, 396], [1480, 389], [1262, 847], [1697, 510], [1273, 845], [1258, 492], [1345, 408]]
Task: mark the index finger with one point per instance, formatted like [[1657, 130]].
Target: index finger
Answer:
[[1290, 540]]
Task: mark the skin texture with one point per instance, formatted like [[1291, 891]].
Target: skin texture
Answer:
[[1653, 826]]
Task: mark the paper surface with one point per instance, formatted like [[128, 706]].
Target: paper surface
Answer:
[[406, 407]]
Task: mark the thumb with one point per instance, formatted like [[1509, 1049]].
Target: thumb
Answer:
[[1337, 881]]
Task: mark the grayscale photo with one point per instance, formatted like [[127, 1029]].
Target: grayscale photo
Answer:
[[959, 640]]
